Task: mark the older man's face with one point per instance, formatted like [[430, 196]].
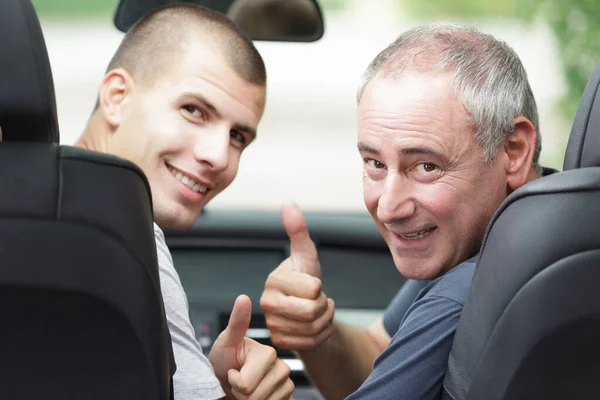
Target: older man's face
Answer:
[[425, 182]]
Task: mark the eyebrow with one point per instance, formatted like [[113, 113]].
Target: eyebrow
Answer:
[[213, 109], [367, 149], [408, 151], [421, 151]]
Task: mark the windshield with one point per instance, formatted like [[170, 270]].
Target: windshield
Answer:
[[306, 146]]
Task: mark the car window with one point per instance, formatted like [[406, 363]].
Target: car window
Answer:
[[306, 147]]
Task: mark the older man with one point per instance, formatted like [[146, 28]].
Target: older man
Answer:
[[447, 128]]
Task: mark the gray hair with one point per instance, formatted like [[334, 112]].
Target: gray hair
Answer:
[[487, 77]]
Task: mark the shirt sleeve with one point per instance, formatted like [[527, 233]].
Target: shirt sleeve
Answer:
[[413, 366], [396, 310], [194, 378]]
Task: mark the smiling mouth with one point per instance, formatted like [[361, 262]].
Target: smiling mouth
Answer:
[[187, 181], [418, 235]]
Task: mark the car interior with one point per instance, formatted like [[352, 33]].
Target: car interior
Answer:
[[228, 253], [79, 277], [79, 288]]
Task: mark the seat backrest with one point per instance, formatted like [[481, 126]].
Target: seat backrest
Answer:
[[27, 102], [80, 295], [531, 323], [584, 140]]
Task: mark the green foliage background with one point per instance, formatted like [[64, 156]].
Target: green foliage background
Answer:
[[575, 24], [74, 8]]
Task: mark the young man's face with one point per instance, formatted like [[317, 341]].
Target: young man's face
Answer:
[[187, 132]]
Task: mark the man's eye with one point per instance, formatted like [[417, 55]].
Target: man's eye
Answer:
[[427, 167], [194, 111], [374, 164], [235, 135], [426, 172]]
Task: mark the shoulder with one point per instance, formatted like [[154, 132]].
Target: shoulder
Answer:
[[400, 304], [165, 260], [170, 284], [453, 285], [159, 237]]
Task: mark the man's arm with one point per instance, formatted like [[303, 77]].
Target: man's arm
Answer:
[[413, 366], [338, 357], [239, 367], [339, 365], [195, 377]]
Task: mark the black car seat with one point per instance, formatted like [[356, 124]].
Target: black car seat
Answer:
[[80, 302], [530, 328]]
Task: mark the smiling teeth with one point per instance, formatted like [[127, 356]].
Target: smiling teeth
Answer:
[[418, 235], [187, 181]]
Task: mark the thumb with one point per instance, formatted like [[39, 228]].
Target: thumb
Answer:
[[303, 250], [239, 322]]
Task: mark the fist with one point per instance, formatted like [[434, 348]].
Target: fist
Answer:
[[246, 368], [298, 313]]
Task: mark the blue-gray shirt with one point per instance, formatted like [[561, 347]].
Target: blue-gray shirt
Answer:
[[413, 365]]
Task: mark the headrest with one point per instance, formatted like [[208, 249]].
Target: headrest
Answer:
[[583, 149], [27, 102]]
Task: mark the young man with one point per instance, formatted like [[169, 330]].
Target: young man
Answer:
[[182, 98], [447, 128]]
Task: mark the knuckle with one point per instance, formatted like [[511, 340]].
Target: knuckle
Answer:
[[312, 342], [272, 323], [243, 387], [289, 387], [265, 302], [268, 302], [274, 279], [270, 354], [286, 369], [315, 287], [315, 328], [279, 341], [280, 326], [270, 279], [311, 312]]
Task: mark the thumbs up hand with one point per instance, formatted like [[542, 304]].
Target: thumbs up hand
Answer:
[[246, 368], [303, 253], [297, 311]]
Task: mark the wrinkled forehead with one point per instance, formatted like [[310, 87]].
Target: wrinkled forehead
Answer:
[[408, 90], [414, 106]]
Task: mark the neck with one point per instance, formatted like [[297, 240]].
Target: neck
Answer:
[[533, 174], [94, 136]]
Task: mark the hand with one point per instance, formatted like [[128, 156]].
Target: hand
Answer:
[[298, 313], [246, 368]]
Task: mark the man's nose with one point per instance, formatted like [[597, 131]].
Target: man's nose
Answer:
[[396, 201], [212, 148]]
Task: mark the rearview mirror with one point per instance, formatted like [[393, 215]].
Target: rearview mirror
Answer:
[[268, 20]]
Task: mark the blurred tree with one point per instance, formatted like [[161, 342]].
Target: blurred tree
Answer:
[[72, 8], [575, 23], [335, 5]]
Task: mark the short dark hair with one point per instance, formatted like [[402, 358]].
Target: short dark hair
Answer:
[[163, 31]]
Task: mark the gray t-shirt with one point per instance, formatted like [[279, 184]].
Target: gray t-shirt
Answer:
[[195, 378]]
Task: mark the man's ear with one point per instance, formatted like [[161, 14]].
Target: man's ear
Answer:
[[519, 148], [112, 97]]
